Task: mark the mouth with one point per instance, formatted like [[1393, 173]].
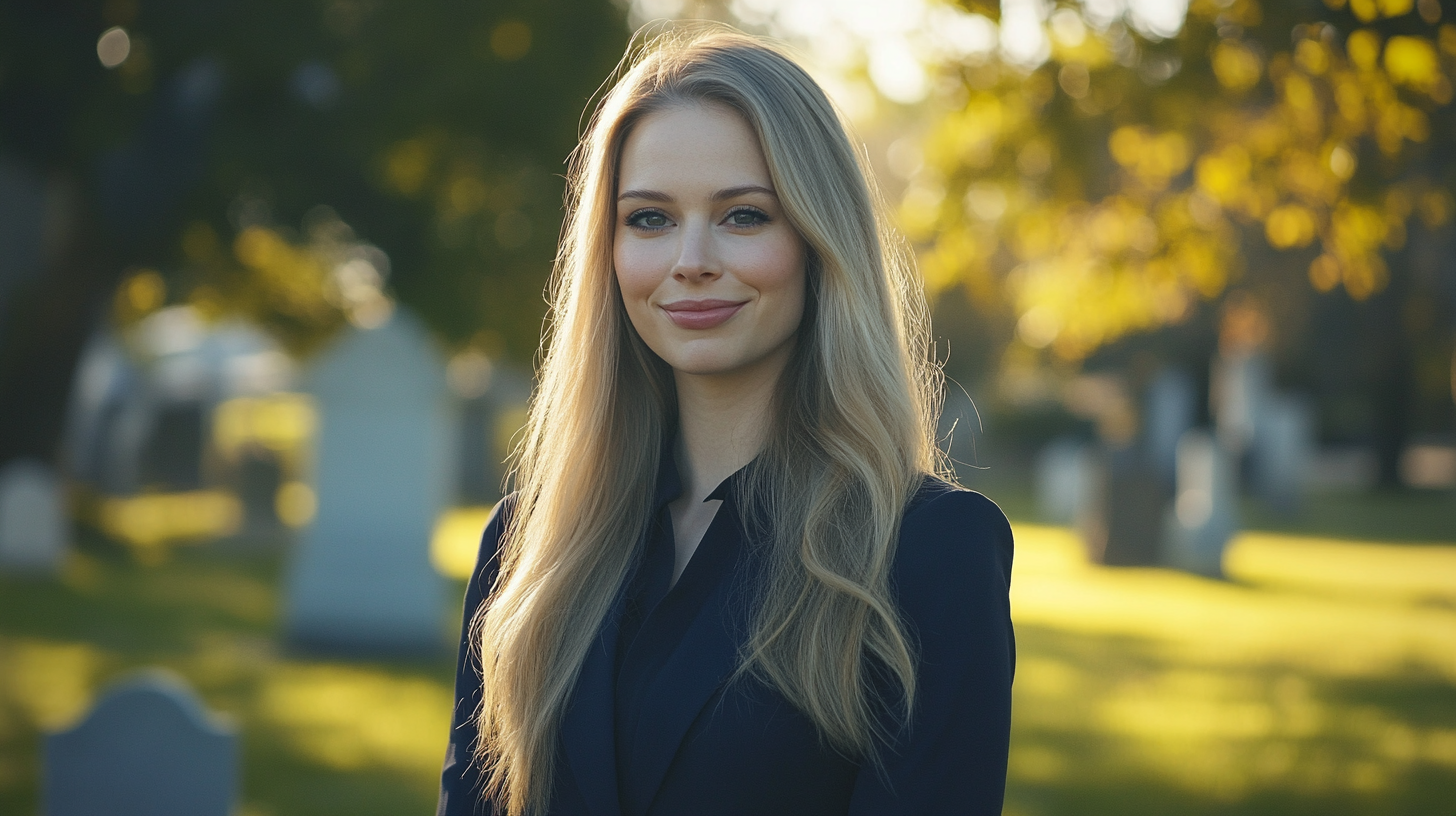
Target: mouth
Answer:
[[701, 314]]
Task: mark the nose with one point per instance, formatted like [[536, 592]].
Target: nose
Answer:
[[696, 258]]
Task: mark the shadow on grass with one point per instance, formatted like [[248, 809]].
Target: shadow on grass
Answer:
[[1115, 725], [320, 735]]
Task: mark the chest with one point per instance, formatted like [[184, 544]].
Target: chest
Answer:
[[661, 725]]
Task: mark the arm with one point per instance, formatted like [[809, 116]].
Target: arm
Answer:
[[460, 780], [952, 575]]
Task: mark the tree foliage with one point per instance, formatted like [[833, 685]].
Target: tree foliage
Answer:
[[435, 131], [1110, 188]]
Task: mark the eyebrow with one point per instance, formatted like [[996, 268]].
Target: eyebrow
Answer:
[[725, 193]]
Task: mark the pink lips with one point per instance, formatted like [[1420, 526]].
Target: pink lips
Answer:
[[701, 314]]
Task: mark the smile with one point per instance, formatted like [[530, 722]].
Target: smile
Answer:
[[701, 314]]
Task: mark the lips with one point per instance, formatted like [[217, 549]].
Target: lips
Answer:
[[701, 314]]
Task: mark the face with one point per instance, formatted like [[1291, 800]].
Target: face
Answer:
[[710, 269]]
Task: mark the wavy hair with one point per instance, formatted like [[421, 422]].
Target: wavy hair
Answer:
[[852, 437]]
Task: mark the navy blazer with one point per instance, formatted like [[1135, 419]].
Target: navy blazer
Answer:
[[720, 747]]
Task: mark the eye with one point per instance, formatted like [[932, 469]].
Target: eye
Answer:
[[648, 220], [747, 217]]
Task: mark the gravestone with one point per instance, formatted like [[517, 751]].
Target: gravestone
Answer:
[[1170, 409], [1121, 524], [1282, 452], [34, 533], [147, 748], [1204, 515], [1064, 480], [1240, 388], [362, 579]]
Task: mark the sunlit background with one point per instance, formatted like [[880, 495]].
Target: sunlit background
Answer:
[[271, 286]]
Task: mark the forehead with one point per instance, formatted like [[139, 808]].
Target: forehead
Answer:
[[692, 147]]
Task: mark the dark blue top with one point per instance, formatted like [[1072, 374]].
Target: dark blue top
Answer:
[[654, 726]]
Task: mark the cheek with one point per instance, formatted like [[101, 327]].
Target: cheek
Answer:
[[636, 282], [635, 276], [781, 274]]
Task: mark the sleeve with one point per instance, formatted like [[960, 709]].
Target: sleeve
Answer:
[[460, 782], [952, 579]]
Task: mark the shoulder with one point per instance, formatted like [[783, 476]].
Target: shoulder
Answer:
[[487, 561], [952, 535]]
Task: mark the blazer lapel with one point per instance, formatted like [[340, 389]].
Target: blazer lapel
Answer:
[[704, 659], [587, 729]]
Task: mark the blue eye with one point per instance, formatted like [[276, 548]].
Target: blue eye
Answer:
[[747, 217], [647, 219]]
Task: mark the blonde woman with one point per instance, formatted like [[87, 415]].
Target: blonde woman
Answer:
[[731, 579]]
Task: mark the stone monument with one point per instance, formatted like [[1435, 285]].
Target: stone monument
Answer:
[[147, 747], [1204, 515], [361, 580], [34, 531]]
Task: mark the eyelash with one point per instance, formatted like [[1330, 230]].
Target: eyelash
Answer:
[[635, 219]]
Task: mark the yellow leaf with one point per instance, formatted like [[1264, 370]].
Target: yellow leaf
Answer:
[[1324, 273], [1126, 144], [1311, 56], [1236, 66], [1363, 46], [1413, 61], [1288, 226]]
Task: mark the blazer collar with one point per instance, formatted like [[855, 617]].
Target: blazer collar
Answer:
[[705, 657]]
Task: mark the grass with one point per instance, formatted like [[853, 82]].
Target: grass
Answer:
[[1319, 679]]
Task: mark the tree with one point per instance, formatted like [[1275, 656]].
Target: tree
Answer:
[[1121, 174], [232, 151]]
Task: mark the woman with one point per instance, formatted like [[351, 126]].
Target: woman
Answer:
[[729, 580]]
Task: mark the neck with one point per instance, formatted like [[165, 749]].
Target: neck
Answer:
[[723, 421]]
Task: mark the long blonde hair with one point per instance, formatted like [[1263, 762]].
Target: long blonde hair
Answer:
[[853, 438]]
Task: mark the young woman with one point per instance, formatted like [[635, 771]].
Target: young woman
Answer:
[[731, 579]]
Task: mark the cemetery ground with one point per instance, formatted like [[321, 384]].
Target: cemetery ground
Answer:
[[1319, 679]]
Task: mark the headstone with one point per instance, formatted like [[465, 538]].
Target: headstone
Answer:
[[34, 532], [1064, 480], [1282, 452], [1204, 515], [362, 579], [1240, 389], [1170, 409], [147, 747], [1122, 523]]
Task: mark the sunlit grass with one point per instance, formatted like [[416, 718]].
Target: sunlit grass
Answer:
[[1319, 679]]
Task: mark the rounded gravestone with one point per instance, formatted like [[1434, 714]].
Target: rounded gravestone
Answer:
[[33, 528], [362, 579], [147, 747]]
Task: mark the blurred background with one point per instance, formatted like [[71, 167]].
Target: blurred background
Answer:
[[271, 284]]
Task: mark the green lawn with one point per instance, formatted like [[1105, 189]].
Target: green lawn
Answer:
[[1320, 679]]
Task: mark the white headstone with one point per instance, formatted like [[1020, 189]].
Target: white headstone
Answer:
[[1204, 515], [1170, 410], [148, 747], [34, 532], [1064, 480], [1240, 388], [1282, 452], [362, 578]]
